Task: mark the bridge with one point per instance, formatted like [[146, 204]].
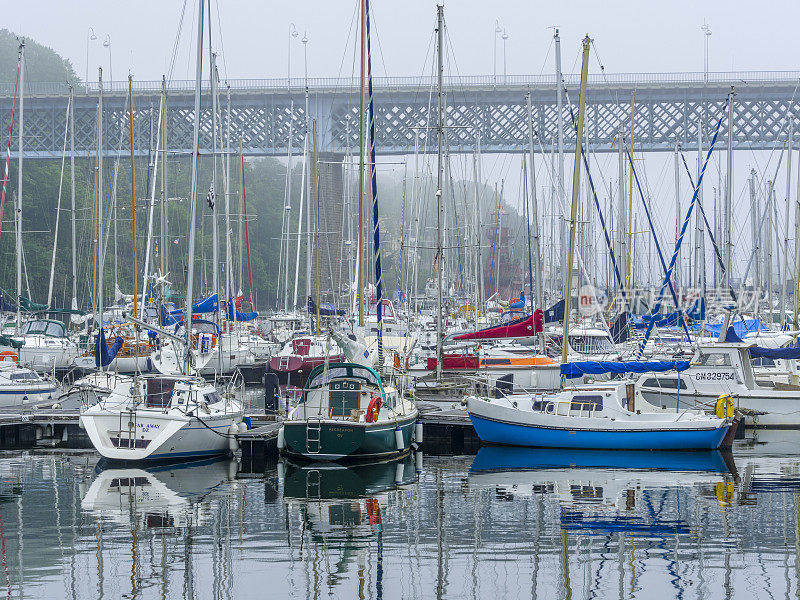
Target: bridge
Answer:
[[670, 107]]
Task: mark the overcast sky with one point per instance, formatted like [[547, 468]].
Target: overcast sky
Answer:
[[631, 36], [252, 38]]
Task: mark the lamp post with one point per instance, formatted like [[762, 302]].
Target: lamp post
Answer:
[[107, 44], [292, 34], [497, 31], [505, 37], [90, 36], [707, 31]]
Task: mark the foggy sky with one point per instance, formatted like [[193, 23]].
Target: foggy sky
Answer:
[[253, 36]]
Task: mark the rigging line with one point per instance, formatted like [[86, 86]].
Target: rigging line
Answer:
[[658, 248], [657, 305], [176, 45]]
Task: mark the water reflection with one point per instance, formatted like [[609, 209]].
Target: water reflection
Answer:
[[159, 496], [506, 523]]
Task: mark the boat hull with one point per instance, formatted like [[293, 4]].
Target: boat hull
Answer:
[[158, 436], [516, 434], [342, 440]]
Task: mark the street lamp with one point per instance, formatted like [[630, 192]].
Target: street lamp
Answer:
[[107, 44], [505, 37], [90, 36], [497, 31], [292, 34], [707, 31]]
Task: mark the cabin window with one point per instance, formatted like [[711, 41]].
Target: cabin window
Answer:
[[715, 359], [587, 402], [343, 398], [159, 392], [25, 376], [762, 361], [668, 383]]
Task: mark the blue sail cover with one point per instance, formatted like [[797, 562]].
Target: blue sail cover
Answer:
[[519, 303], [103, 355], [206, 305], [773, 353], [577, 369], [165, 319], [240, 316], [697, 311], [555, 312], [666, 320], [741, 327]]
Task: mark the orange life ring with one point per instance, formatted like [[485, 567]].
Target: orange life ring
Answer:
[[373, 408], [9, 354]]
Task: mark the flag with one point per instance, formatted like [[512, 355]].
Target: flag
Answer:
[[210, 197]]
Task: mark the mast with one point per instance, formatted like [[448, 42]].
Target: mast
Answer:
[[631, 259], [576, 181], [163, 220], [100, 206], [770, 224], [622, 220], [58, 206], [537, 294], [133, 195], [795, 295], [786, 222], [699, 263], [728, 208], [150, 210], [19, 181], [74, 303], [677, 273], [213, 201], [303, 201], [562, 234], [477, 234], [316, 220], [193, 192], [228, 249], [439, 183], [360, 254], [376, 231]]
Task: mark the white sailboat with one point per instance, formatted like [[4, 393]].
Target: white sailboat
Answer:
[[157, 417]]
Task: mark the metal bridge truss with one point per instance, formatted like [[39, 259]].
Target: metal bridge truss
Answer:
[[669, 109]]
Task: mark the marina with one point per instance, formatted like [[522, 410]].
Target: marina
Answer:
[[353, 333]]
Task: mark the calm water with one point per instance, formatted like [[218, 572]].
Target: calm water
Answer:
[[502, 524]]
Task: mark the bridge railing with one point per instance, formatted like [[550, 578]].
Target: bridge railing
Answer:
[[298, 84]]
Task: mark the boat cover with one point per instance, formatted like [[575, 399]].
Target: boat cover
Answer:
[[519, 303], [240, 316], [103, 355], [759, 352], [522, 327], [577, 369], [206, 305]]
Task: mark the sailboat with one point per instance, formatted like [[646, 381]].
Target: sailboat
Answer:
[[346, 410], [158, 417], [605, 416]]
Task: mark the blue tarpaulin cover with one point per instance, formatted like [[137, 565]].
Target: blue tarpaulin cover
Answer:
[[519, 303], [577, 369], [240, 316], [103, 355], [758, 352], [206, 305]]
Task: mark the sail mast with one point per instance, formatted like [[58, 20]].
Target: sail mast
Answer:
[[193, 191], [576, 181], [133, 195], [439, 183], [360, 255], [19, 181], [74, 303]]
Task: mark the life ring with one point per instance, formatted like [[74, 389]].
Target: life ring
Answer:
[[373, 408], [7, 355], [724, 407]]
